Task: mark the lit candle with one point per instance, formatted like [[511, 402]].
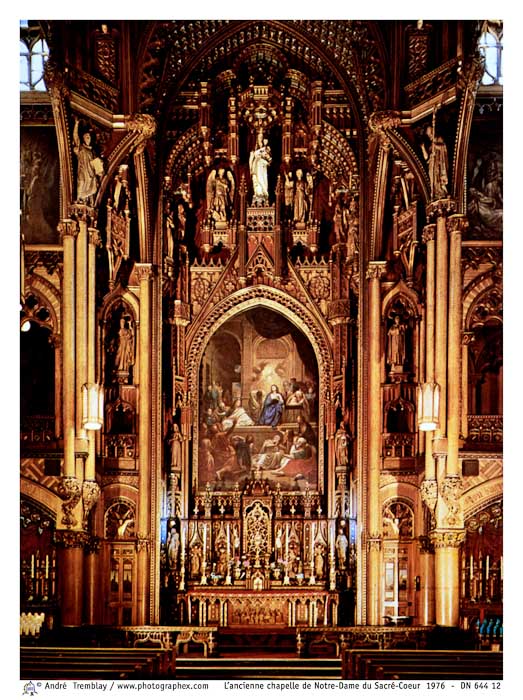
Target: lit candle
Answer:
[[32, 565], [47, 565], [487, 567], [471, 567]]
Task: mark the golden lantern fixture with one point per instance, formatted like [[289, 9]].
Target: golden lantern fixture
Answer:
[[93, 406], [428, 406]]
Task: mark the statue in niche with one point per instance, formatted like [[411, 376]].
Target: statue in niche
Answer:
[[319, 562], [196, 561], [173, 547], [302, 197], [124, 357], [176, 441], [485, 208], [342, 544], [396, 353], [341, 446], [435, 153], [288, 194], [259, 161], [220, 195], [90, 167]]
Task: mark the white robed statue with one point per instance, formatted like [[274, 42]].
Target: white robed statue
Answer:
[[259, 161]]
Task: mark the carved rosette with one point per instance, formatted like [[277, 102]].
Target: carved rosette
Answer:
[[441, 539], [90, 494], [450, 491], [429, 493], [70, 491]]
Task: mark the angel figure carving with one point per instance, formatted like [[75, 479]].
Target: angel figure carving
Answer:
[[220, 194]]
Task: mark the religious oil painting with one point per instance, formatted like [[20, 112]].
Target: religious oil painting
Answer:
[[39, 174], [258, 405]]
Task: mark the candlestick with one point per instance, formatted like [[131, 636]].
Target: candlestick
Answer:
[[46, 566]]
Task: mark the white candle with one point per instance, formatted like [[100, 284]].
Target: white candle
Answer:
[[287, 542], [204, 540], [183, 538], [487, 567], [32, 565], [228, 541], [312, 542], [501, 568], [47, 565], [471, 567]]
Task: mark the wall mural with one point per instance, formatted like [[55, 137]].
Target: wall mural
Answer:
[[39, 185], [258, 405]]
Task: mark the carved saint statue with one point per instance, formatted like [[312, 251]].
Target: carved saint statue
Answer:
[[259, 161], [438, 162], [90, 168], [173, 547], [125, 345], [220, 194], [396, 343], [341, 446], [342, 544], [288, 193], [176, 441], [303, 197]]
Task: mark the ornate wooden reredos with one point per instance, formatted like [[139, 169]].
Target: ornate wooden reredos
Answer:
[[250, 210]]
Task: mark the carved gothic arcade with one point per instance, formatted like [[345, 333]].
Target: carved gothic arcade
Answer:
[[274, 248]]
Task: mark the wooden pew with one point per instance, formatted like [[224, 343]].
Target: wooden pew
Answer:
[[94, 662], [358, 664]]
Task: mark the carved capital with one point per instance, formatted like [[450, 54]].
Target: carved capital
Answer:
[[67, 227], [93, 545], [70, 490], [440, 208], [144, 271], [94, 237], [451, 489], [71, 539], [429, 493], [90, 494], [84, 213], [470, 75], [429, 233], [447, 538], [376, 269], [457, 223]]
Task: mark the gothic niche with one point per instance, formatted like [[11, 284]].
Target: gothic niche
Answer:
[[399, 341], [120, 346], [258, 408], [120, 520]]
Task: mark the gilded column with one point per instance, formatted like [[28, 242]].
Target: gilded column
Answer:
[[70, 551], [447, 547], [144, 272], [439, 210], [456, 223], [94, 241], [69, 231], [374, 272], [429, 233]]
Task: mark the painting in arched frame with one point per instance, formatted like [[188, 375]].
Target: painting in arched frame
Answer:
[[258, 406]]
